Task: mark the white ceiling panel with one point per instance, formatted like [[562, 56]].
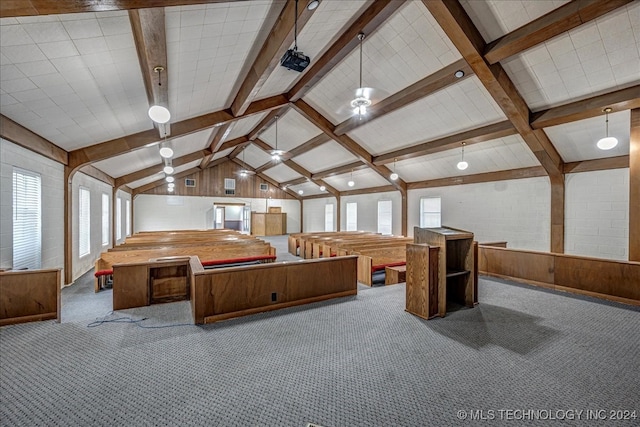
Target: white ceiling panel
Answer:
[[495, 18], [409, 46], [222, 153], [254, 156], [510, 152], [145, 181], [577, 141], [308, 189], [282, 173], [190, 143], [319, 33], [363, 178], [326, 156], [466, 105], [599, 56], [293, 130], [207, 46], [244, 126], [73, 79]]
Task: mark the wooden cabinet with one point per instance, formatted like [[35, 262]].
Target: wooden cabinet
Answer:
[[422, 280], [456, 267], [268, 224]]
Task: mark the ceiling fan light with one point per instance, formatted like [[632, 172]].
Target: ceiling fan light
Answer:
[[166, 152], [170, 179], [393, 176], [607, 143], [351, 183], [168, 169], [462, 165], [159, 114], [243, 173]]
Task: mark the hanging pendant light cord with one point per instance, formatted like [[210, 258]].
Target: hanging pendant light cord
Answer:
[[361, 38], [277, 128], [295, 30], [606, 115]]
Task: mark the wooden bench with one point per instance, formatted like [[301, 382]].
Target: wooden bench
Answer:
[[210, 255], [29, 295], [294, 240], [238, 291], [372, 261], [393, 275]]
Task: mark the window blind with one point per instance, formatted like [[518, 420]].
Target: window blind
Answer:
[[105, 219], [84, 222], [27, 220]]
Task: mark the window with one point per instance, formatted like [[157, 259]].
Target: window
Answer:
[[27, 221], [84, 222], [352, 216], [105, 219], [328, 217], [384, 216], [229, 186], [430, 212], [127, 213], [118, 218]]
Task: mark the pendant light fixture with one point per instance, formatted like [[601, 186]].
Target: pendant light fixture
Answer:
[[351, 183], [361, 101], [158, 113], [276, 154], [168, 167], [323, 188], [170, 178], [608, 142], [462, 165], [394, 175]]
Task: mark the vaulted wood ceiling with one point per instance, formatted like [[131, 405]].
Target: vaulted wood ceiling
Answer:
[[78, 78]]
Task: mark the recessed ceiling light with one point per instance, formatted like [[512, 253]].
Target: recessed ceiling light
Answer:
[[313, 4], [322, 188], [301, 192], [459, 74]]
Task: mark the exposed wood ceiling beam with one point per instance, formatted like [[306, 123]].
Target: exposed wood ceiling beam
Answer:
[[369, 190], [151, 45], [339, 170], [162, 181], [266, 121], [485, 133], [309, 176], [214, 142], [18, 134], [314, 142], [278, 41], [152, 170], [218, 161], [13, 8], [556, 22], [237, 150], [232, 143], [125, 144], [279, 185], [296, 181], [455, 22], [531, 172], [349, 144], [620, 100], [266, 166], [96, 173], [420, 89], [261, 144], [368, 22], [618, 162]]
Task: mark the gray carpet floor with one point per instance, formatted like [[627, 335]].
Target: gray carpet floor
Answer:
[[523, 356]]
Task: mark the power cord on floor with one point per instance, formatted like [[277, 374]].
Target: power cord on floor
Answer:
[[138, 322]]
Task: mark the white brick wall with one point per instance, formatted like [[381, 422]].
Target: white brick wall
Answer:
[[313, 214], [83, 264], [156, 212], [597, 214], [52, 179], [517, 211], [368, 211]]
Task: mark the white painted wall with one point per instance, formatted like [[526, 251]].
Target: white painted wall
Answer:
[[52, 179], [597, 214], [368, 211], [518, 211], [313, 214], [159, 212], [123, 195], [87, 262]]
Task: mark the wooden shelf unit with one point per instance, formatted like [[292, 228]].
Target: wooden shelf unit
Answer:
[[456, 268]]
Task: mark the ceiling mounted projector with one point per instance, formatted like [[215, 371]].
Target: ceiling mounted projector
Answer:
[[294, 60]]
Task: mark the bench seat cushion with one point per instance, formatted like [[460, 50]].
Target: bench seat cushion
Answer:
[[379, 267]]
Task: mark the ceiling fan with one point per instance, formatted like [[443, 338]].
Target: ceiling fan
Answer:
[[277, 154]]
